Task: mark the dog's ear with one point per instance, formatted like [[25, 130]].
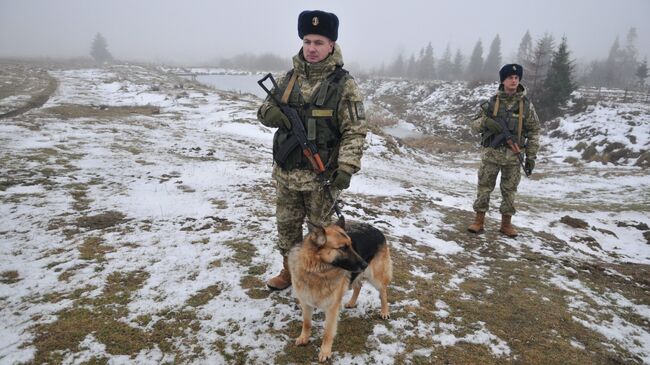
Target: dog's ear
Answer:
[[341, 222], [318, 233]]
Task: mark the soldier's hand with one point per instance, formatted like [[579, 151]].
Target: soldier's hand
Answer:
[[276, 117], [341, 179], [492, 126], [529, 165]]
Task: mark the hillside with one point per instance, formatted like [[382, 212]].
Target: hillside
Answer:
[[606, 131], [137, 226]]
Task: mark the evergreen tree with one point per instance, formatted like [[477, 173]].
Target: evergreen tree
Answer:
[[525, 52], [493, 60], [398, 68], [475, 65], [537, 67], [99, 50], [629, 59], [457, 67], [411, 67], [426, 64], [558, 84], [612, 65], [445, 66], [642, 73]]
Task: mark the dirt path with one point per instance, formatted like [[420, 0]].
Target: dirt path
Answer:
[[37, 98]]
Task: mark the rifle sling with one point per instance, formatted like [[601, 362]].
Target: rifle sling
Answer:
[[521, 119], [496, 107], [521, 116], [287, 91]]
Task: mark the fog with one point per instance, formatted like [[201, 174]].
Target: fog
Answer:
[[371, 32]]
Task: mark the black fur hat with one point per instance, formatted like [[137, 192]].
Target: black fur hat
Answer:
[[511, 69], [318, 22]]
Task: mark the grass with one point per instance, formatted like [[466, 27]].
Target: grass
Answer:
[[101, 221], [203, 296], [511, 296], [93, 249], [74, 111], [9, 277]]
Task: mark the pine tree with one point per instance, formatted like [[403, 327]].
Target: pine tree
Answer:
[[99, 50], [493, 60], [445, 66], [398, 68], [411, 67], [475, 65], [629, 59], [426, 64], [536, 68], [525, 51], [642, 73], [612, 65], [457, 67], [558, 84]]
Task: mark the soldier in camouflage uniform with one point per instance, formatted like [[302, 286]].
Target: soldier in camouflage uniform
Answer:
[[512, 105], [331, 109]]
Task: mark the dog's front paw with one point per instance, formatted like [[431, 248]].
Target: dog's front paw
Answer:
[[302, 340], [324, 355], [384, 315], [350, 305]]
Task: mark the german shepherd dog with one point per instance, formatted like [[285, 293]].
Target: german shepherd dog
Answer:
[[328, 262]]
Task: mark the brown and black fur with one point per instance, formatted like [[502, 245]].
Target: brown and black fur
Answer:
[[329, 261]]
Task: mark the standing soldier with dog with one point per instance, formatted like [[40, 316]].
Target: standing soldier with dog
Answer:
[[330, 107], [507, 122]]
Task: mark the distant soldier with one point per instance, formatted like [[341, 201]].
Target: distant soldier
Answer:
[[331, 109], [509, 107]]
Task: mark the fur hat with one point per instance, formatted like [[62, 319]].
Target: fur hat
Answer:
[[318, 22], [511, 69]]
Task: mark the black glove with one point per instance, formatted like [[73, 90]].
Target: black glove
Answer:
[[529, 166], [275, 116], [341, 179], [492, 126]]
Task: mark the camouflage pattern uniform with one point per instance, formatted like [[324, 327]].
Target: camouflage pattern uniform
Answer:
[[502, 159], [299, 193]]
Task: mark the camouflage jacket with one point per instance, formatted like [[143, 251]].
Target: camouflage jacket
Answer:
[[530, 127], [352, 123]]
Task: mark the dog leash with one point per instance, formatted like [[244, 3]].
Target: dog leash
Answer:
[[334, 206]]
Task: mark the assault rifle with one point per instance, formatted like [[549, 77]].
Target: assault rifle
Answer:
[[308, 149], [506, 138]]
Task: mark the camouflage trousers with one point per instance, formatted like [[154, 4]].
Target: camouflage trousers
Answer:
[[292, 207], [493, 161]]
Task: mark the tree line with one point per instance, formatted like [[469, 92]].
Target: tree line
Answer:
[[621, 69], [549, 71]]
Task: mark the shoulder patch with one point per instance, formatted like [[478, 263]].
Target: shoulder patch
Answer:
[[358, 107]]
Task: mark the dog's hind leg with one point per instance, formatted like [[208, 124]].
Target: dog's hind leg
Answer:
[[356, 289], [331, 322], [383, 295], [306, 325]]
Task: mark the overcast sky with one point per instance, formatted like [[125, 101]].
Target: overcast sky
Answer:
[[371, 31]]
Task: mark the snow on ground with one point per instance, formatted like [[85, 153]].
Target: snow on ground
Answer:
[[191, 192], [607, 127]]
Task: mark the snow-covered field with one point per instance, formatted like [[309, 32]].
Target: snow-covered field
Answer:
[[136, 226]]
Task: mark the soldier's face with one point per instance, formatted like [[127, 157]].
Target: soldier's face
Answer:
[[511, 83], [316, 47]]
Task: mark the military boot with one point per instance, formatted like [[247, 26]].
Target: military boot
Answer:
[[283, 280], [506, 227], [477, 226]]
